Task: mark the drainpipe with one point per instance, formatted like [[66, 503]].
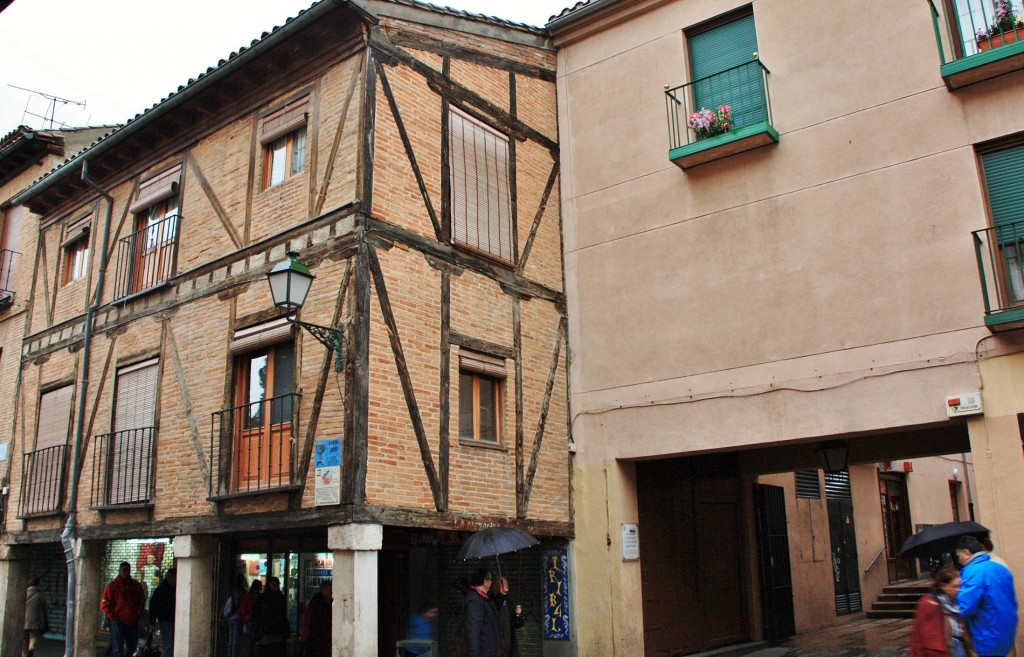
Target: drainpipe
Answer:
[[967, 482], [68, 535]]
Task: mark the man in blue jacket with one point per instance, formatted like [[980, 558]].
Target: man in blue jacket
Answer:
[[987, 599]]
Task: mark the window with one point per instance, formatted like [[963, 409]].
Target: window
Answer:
[[1006, 202], [725, 72], [481, 387], [262, 418], [283, 135], [76, 249], [130, 446], [148, 257], [480, 202], [44, 467]]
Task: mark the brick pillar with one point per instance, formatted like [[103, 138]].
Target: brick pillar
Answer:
[[194, 599], [14, 575], [354, 612], [88, 592]]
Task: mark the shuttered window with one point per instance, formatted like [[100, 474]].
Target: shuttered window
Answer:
[[716, 56], [132, 446], [283, 136], [481, 382], [808, 486], [1006, 202], [837, 485], [54, 417], [480, 203], [261, 335], [42, 489]]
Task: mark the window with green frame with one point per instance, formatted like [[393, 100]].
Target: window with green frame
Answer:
[[725, 72], [1005, 187]]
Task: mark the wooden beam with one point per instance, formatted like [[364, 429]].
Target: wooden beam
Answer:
[[537, 216], [336, 144], [87, 433], [211, 196], [357, 386], [444, 388], [186, 400], [406, 379], [543, 417], [483, 346], [431, 44], [517, 336]]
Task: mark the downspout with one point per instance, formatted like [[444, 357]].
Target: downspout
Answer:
[[68, 535]]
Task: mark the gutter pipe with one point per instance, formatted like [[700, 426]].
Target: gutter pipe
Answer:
[[67, 537]]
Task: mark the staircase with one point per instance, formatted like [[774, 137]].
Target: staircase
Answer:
[[897, 601]]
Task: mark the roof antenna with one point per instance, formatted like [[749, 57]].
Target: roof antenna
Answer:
[[51, 106]]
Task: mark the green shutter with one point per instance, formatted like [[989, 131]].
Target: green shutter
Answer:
[[1004, 175], [720, 49]]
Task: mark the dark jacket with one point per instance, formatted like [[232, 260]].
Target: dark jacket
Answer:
[[509, 623], [483, 629], [124, 600], [161, 605], [988, 603], [35, 609], [316, 627], [271, 613]]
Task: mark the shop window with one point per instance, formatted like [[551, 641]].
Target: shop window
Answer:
[[481, 388], [283, 136], [150, 559]]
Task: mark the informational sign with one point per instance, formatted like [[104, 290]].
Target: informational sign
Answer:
[[969, 403], [556, 595], [327, 455], [630, 542], [3, 451]]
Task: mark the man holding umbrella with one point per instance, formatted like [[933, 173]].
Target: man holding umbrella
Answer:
[[482, 627], [987, 599]]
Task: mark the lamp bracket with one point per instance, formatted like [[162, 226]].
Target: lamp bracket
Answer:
[[332, 338]]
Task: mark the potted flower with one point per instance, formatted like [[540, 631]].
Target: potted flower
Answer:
[[1007, 26], [706, 123]]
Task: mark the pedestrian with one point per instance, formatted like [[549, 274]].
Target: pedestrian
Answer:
[[316, 623], [123, 603], [161, 611], [510, 616], [37, 617], [938, 629], [233, 614], [271, 614], [248, 614], [421, 627], [482, 628], [987, 599]]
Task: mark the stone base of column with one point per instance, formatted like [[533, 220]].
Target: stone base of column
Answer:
[[354, 613]]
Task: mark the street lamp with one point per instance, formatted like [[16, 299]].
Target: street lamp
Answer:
[[289, 284], [833, 457]]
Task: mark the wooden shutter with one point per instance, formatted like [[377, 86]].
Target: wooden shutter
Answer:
[[288, 118], [1005, 181], [131, 451], [54, 417], [481, 204], [480, 364], [720, 49], [261, 335], [157, 188]]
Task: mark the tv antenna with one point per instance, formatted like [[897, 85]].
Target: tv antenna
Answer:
[[51, 107]]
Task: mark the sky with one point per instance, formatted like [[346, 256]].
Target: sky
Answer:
[[117, 58]]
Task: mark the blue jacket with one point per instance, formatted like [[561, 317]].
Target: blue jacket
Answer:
[[989, 605]]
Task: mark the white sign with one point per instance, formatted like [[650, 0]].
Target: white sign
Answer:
[[327, 455], [630, 542], [3, 451], [968, 403]]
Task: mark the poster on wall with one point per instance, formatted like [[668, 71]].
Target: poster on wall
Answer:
[[556, 595], [328, 471]]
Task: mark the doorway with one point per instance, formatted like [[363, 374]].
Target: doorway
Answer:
[[892, 489], [845, 567]]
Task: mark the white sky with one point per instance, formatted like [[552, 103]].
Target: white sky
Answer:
[[122, 56]]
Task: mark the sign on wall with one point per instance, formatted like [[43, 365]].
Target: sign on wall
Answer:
[[630, 542], [328, 471], [556, 594]]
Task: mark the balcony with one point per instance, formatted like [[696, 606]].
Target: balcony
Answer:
[[42, 481], [253, 446], [147, 258], [7, 262], [122, 469], [1000, 253], [744, 89], [977, 40]]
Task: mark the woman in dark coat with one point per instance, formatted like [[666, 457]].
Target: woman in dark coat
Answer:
[[36, 616], [510, 615]]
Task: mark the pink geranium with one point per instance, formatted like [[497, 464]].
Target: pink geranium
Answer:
[[706, 123]]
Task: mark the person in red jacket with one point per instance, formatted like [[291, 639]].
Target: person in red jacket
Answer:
[[123, 603], [938, 630]]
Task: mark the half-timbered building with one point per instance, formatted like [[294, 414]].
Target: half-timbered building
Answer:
[[169, 414]]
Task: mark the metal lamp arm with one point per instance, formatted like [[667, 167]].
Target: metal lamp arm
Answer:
[[332, 338]]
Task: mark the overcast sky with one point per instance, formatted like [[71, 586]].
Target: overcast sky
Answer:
[[120, 57]]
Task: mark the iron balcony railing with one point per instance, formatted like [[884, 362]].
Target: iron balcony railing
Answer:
[[42, 481], [743, 88], [147, 257], [968, 27], [122, 467], [1000, 253], [252, 446], [8, 259]]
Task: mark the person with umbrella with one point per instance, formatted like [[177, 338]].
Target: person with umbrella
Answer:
[[482, 626], [987, 599], [938, 629]]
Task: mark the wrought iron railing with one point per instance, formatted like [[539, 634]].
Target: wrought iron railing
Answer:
[[1000, 253], [147, 257], [252, 446], [743, 88], [8, 259], [968, 27], [122, 467], [42, 480]]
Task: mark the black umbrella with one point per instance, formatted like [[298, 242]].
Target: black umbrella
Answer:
[[939, 539], [493, 541]]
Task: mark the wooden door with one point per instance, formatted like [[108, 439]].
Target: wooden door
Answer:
[[892, 490], [263, 417], [773, 553]]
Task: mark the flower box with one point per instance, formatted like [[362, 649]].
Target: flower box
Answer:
[[1000, 39]]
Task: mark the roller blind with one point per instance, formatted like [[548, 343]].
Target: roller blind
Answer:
[[290, 117], [54, 417], [77, 229], [1005, 182], [482, 364], [721, 49], [132, 447], [261, 335], [157, 188]]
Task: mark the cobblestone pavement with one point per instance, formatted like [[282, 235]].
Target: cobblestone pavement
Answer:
[[862, 638]]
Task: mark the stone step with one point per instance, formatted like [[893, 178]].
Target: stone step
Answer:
[[889, 614], [881, 605]]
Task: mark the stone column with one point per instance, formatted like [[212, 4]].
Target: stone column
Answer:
[[354, 612], [14, 575], [88, 593], [194, 596]]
